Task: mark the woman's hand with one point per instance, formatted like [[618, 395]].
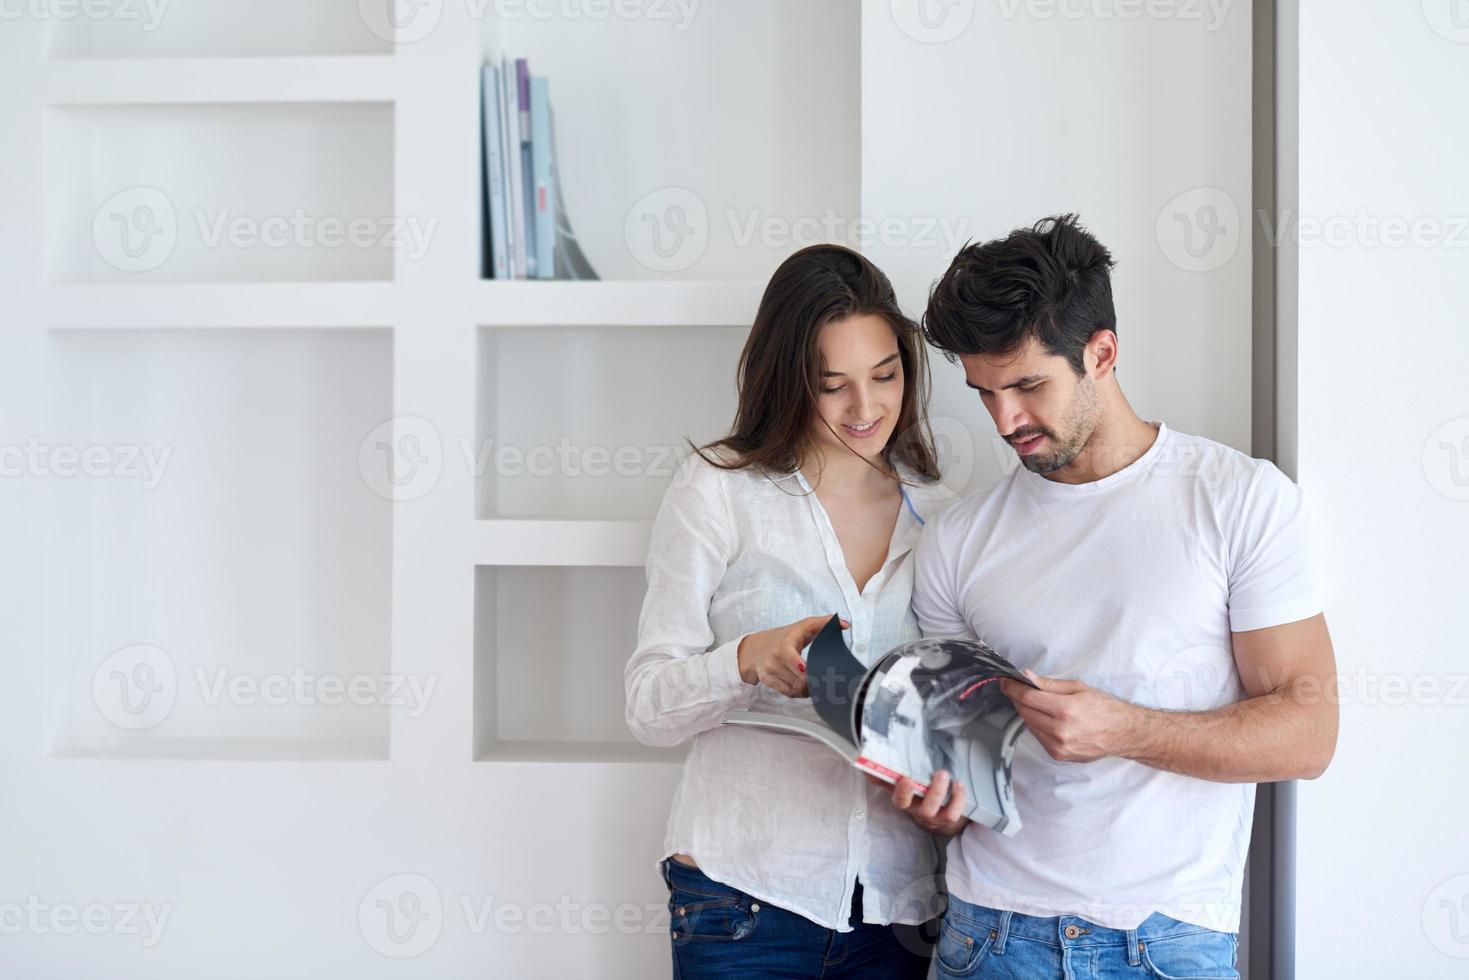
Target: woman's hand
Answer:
[[773, 657]]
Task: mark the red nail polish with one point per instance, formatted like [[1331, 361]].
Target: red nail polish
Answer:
[[801, 666]]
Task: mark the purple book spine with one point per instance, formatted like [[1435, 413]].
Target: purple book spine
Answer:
[[522, 86]]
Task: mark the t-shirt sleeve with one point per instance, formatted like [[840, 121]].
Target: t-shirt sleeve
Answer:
[[1273, 577], [935, 596]]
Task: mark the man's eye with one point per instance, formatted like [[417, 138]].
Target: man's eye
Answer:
[[1031, 388]]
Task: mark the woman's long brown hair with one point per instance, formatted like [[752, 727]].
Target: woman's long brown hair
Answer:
[[779, 370]]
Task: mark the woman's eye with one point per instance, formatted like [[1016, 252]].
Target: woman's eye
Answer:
[[832, 391], [888, 377]]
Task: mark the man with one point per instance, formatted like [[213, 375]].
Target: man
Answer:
[[1160, 588]]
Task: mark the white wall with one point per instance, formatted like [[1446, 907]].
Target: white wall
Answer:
[[265, 864], [1383, 855], [1002, 113]]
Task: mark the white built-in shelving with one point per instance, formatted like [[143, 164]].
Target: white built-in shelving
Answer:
[[686, 175]]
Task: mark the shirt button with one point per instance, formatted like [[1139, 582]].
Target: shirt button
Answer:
[[861, 814], [861, 648]]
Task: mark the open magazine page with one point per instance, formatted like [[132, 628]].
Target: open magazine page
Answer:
[[936, 704]]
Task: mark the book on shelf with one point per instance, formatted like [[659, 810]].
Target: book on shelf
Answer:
[[528, 230], [923, 706], [498, 244]]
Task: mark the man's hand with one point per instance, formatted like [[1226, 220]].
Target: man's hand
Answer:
[[930, 811], [1074, 722]]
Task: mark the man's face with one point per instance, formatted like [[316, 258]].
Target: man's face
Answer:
[[1039, 406]]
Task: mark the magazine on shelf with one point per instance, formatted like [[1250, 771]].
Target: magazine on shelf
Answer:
[[923, 706], [528, 232], [498, 244]]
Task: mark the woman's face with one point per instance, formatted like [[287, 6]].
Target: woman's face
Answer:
[[860, 391]]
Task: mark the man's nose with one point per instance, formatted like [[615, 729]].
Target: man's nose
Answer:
[[1008, 415]]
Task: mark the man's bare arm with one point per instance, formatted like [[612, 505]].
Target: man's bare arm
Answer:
[[1286, 729]]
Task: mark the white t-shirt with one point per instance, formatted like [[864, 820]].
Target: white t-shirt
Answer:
[[1132, 584]]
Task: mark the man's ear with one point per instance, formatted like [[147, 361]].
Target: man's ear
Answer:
[[1101, 354]]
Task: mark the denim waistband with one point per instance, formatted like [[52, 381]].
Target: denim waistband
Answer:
[[692, 879], [1066, 930]]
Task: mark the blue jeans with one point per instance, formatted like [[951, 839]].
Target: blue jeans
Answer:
[[983, 942], [718, 931]]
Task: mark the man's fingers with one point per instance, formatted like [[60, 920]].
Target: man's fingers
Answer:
[[933, 800], [903, 793], [954, 809], [1028, 697]]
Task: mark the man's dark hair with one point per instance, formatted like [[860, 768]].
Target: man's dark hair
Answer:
[[1052, 282]]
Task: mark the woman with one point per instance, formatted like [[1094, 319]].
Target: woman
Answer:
[[781, 859]]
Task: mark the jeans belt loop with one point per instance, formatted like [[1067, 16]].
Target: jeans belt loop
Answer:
[[1134, 953], [1004, 932]]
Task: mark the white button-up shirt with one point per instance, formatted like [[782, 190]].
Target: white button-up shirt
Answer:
[[776, 815]]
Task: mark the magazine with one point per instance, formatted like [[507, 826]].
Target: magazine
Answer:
[[923, 706]]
